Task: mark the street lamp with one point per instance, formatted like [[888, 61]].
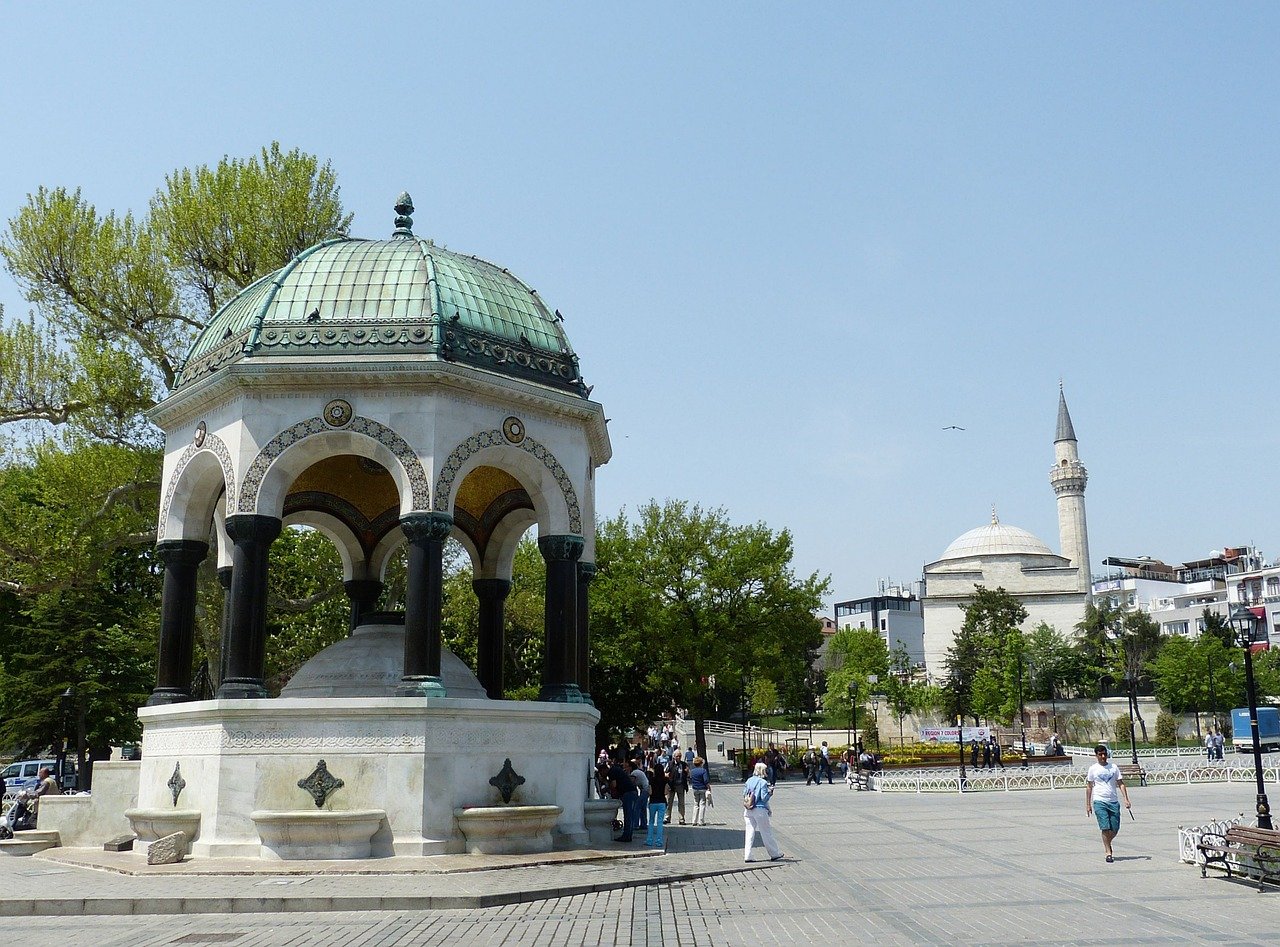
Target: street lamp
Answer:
[[960, 740], [82, 778], [1129, 683], [1022, 713], [1213, 697], [1243, 621], [875, 710], [853, 724]]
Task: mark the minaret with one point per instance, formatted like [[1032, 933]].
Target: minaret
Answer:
[[1068, 478]]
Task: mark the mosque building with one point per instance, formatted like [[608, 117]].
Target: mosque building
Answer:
[[1053, 588]]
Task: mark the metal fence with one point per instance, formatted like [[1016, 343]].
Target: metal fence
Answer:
[[1014, 779]]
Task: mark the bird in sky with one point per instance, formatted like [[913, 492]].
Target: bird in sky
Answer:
[[953, 427]]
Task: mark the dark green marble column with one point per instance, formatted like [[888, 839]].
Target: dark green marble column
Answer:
[[181, 558], [424, 595], [586, 572], [364, 594], [491, 594], [245, 646], [559, 670], [224, 580]]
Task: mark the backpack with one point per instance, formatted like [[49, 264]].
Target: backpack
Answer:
[[749, 801]]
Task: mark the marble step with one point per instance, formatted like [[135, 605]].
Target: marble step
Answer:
[[29, 842]]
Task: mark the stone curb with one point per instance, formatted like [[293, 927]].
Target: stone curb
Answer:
[[46, 907]]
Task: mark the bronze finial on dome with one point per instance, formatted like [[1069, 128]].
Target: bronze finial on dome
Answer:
[[404, 222], [995, 520]]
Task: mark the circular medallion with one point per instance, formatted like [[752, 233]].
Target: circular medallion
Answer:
[[513, 430], [337, 413], [201, 429]]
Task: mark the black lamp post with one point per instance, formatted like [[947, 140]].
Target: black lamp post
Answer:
[[745, 758], [1213, 697], [82, 778], [853, 725], [1243, 621], [1129, 683], [964, 779], [875, 710], [1022, 713]]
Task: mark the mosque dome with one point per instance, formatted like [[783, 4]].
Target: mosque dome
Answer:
[[996, 539], [398, 299]]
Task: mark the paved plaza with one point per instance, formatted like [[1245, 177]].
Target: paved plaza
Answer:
[[988, 868]]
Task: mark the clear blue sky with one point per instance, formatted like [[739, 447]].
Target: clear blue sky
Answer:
[[792, 244]]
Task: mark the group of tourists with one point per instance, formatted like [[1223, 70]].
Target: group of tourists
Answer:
[[651, 785]]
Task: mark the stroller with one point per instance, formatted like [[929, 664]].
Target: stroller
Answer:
[[20, 817]]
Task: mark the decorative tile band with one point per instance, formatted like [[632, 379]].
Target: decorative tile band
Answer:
[[419, 486], [495, 438], [206, 442]]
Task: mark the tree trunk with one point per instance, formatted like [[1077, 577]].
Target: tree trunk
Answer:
[[700, 733]]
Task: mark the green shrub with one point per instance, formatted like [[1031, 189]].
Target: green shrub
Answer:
[[1166, 729], [1120, 731]]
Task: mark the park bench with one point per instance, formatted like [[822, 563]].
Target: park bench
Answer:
[[1261, 846], [1132, 771]]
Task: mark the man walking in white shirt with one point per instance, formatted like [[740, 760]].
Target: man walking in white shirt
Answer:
[[1103, 788]]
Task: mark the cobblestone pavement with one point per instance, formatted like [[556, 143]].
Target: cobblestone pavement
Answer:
[[985, 868]]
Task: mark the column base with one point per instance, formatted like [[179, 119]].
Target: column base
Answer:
[[586, 698], [421, 687], [241, 690], [167, 695], [561, 693]]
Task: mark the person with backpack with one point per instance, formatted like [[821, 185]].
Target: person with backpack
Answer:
[[756, 794], [810, 761], [677, 785]]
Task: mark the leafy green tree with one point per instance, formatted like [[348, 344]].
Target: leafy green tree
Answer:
[[901, 693], [1053, 664], [117, 300], [977, 662], [854, 655], [1217, 626], [1138, 645], [120, 298], [684, 596], [1095, 645]]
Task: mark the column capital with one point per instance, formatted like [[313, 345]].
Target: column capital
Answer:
[[248, 527], [491, 588], [420, 527], [565, 548], [182, 552], [586, 571], [224, 578], [362, 588]]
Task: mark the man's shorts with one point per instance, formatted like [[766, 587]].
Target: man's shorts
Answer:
[[1108, 815]]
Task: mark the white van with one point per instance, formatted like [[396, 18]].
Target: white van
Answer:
[[22, 774]]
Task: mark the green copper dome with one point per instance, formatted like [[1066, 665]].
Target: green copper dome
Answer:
[[404, 296]]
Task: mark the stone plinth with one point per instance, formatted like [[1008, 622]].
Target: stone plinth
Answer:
[[416, 759], [317, 833], [598, 815], [507, 830]]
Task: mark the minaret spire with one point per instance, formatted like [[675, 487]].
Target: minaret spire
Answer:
[[1068, 477]]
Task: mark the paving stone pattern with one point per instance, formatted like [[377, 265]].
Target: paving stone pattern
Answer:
[[987, 868]]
